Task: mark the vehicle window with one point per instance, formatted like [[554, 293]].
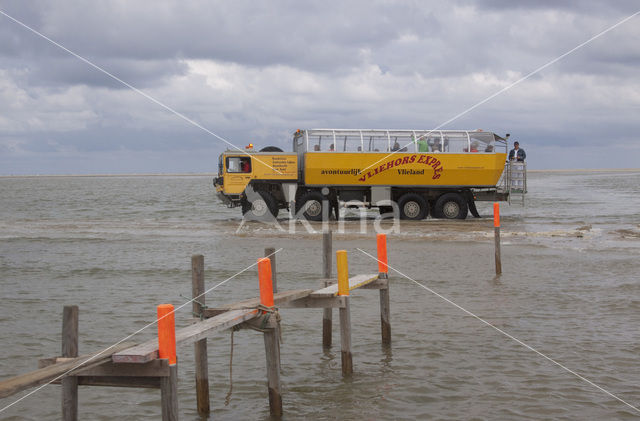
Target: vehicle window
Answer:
[[322, 144], [400, 144], [456, 142], [434, 141], [351, 144], [239, 164], [377, 144], [482, 142]]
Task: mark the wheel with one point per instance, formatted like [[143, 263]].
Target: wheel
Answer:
[[260, 206], [311, 205], [451, 206], [413, 206]]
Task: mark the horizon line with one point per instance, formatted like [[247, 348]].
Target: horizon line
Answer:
[[208, 174]]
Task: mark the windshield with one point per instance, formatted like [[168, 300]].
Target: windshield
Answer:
[[238, 164]]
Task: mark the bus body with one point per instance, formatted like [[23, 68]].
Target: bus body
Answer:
[[423, 172]]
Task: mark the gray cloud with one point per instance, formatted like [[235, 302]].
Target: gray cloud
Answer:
[[256, 72]]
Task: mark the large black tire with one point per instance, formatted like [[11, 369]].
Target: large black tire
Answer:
[[261, 207], [271, 149], [413, 206], [311, 204], [451, 206]]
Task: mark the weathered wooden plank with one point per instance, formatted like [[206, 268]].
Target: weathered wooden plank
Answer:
[[44, 375], [122, 375], [148, 351], [117, 381], [46, 362], [309, 302], [153, 368], [377, 284], [354, 282], [278, 299]]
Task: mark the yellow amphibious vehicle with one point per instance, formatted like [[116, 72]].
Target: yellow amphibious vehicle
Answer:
[[405, 173]]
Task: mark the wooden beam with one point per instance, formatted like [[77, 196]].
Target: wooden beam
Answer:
[[148, 351], [169, 394], [345, 338], [153, 368], [354, 282], [200, 347], [122, 375], [310, 302], [44, 375], [327, 313], [385, 314], [272, 352], [70, 349], [377, 284], [116, 381], [278, 299], [46, 362]]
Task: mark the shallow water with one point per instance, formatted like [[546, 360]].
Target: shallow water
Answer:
[[118, 246]]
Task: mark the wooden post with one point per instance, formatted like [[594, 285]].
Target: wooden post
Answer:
[[200, 347], [273, 371], [270, 252], [385, 315], [169, 394], [271, 346], [345, 312], [327, 315], [385, 311], [496, 236], [70, 349], [167, 349]]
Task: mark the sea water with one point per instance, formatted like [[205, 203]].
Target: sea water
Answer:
[[119, 246]]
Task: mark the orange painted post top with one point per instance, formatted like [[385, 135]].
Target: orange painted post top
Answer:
[[382, 253], [496, 214], [266, 283], [343, 272], [167, 333]]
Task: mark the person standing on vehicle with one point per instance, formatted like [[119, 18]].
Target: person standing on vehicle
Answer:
[[422, 145], [516, 153]]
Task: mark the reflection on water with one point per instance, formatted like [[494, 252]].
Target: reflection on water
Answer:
[[117, 247]]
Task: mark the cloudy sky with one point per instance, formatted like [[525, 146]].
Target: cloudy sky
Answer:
[[257, 71]]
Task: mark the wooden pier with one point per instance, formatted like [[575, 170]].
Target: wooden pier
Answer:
[[153, 364]]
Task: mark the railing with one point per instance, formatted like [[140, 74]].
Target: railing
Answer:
[[514, 180], [373, 140]]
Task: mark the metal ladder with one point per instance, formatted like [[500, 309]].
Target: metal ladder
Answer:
[[516, 180]]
